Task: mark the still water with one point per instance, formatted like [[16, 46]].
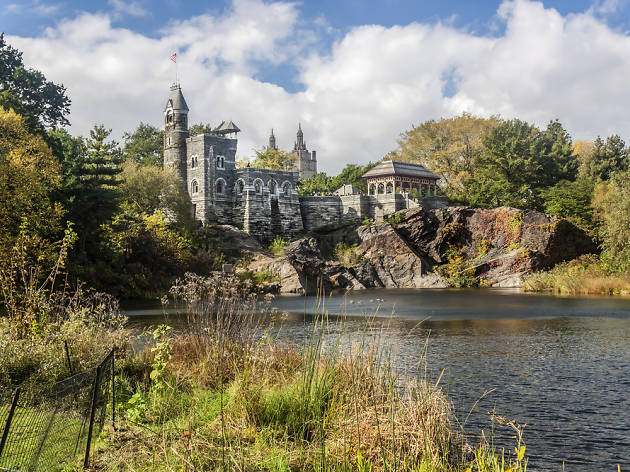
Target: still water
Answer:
[[560, 366]]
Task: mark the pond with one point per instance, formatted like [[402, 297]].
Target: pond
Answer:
[[559, 365]]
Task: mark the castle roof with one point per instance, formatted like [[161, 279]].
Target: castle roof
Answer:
[[176, 99], [405, 169], [226, 127]]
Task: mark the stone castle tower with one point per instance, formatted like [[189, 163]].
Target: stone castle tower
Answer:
[[306, 160], [176, 132]]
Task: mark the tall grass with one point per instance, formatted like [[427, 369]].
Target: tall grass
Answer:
[[236, 399], [585, 275]]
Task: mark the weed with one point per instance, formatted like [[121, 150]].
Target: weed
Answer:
[[346, 255], [278, 245]]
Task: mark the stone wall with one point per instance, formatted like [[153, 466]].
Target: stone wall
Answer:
[[269, 205], [327, 211]]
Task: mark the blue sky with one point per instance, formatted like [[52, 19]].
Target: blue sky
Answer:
[[355, 73]]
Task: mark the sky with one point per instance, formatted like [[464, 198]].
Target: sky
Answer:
[[354, 73]]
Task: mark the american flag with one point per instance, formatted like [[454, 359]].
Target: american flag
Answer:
[[174, 57]]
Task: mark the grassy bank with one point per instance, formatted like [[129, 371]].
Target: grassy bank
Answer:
[[587, 275], [224, 395]]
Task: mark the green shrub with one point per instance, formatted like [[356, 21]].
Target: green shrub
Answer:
[[346, 255], [277, 246]]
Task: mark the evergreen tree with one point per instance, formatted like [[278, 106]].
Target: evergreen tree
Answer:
[[96, 199], [606, 158], [507, 168], [553, 147], [145, 145]]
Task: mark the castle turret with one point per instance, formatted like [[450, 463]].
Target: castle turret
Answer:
[[306, 161], [176, 132], [272, 142], [299, 142]]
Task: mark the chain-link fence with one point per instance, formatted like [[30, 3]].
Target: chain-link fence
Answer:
[[48, 428]]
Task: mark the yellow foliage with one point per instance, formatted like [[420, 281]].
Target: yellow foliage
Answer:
[[29, 173]]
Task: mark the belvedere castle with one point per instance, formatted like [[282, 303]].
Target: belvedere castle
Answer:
[[265, 202]]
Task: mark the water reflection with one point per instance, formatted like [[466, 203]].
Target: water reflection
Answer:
[[559, 365]]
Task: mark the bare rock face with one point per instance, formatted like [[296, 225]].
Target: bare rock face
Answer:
[[430, 248], [496, 247], [386, 260]]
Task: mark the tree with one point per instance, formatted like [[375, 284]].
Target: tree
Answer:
[[200, 128], [97, 197], [29, 175], [611, 202], [606, 158], [553, 147], [274, 159], [582, 151], [319, 183], [448, 147], [147, 189], [322, 183], [506, 169], [352, 174], [570, 200], [42, 103], [518, 163], [145, 145]]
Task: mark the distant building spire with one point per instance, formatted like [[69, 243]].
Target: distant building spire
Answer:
[[299, 143], [272, 142]]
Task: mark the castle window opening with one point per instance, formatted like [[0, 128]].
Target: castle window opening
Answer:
[[220, 186], [272, 187], [194, 187], [194, 161], [168, 140], [258, 186], [169, 117], [240, 186], [220, 162], [286, 188]]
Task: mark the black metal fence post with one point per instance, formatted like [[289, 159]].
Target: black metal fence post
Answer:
[[95, 388], [113, 394], [65, 344], [7, 425]]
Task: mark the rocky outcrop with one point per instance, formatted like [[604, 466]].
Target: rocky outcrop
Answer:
[[429, 248], [493, 247], [386, 260]]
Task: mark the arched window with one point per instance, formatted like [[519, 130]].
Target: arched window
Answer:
[[272, 187], [169, 117], [240, 186], [286, 189], [220, 186], [258, 186], [194, 186], [194, 161], [380, 189], [389, 188], [168, 141], [220, 162]]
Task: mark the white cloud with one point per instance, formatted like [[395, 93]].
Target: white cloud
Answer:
[[374, 83]]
